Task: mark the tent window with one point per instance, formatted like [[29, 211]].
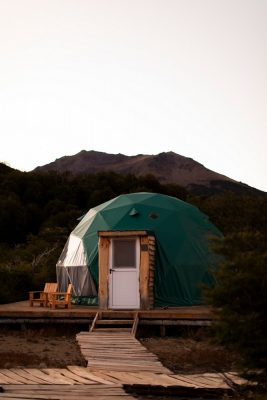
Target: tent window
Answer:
[[154, 215], [124, 253]]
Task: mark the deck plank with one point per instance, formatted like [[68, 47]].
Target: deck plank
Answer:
[[64, 392], [31, 378], [81, 376], [85, 373], [41, 374]]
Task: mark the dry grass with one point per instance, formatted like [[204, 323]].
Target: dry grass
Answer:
[[191, 353], [38, 348]]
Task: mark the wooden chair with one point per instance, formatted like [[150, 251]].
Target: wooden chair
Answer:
[[61, 298], [41, 296]]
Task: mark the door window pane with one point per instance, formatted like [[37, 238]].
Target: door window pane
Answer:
[[124, 253]]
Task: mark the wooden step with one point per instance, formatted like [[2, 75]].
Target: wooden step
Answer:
[[117, 314], [114, 322], [111, 329], [121, 324]]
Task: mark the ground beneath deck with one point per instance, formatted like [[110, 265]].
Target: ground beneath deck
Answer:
[[56, 347]]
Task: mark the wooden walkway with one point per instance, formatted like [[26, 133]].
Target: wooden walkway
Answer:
[[118, 365], [74, 375], [117, 351], [68, 383], [65, 392]]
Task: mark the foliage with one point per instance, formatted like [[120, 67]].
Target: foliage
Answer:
[[31, 201], [38, 211], [232, 213], [28, 265], [240, 298], [14, 284]]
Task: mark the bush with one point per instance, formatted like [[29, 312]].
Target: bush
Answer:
[[240, 298]]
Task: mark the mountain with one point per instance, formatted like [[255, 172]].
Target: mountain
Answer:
[[167, 167]]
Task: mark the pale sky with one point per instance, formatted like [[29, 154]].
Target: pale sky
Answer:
[[135, 76]]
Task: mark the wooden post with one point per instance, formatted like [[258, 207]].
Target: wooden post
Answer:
[[144, 273], [103, 272], [152, 250], [162, 329]]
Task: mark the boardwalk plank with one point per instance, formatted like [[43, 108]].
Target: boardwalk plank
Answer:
[[5, 379], [106, 376], [44, 377], [127, 377], [57, 377], [64, 392], [31, 379], [156, 379], [85, 373], [77, 379], [13, 376]]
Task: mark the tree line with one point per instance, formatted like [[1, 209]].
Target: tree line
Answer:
[[38, 210]]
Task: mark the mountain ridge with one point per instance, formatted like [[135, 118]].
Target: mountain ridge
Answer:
[[167, 167]]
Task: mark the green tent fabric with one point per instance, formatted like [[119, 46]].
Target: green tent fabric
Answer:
[[182, 232]]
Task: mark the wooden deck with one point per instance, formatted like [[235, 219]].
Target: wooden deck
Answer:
[[21, 312], [74, 375], [65, 392], [77, 382]]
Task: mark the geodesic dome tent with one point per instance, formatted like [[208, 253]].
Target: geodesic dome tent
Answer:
[[182, 246]]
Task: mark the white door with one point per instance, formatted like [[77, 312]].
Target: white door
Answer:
[[124, 273]]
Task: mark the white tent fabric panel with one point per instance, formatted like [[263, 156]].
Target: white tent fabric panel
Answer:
[[72, 268], [80, 278], [73, 253]]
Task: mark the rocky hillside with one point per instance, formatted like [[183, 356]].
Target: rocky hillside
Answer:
[[166, 167]]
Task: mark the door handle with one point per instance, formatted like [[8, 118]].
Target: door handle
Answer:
[[111, 269]]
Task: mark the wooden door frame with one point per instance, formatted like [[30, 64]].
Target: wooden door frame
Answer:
[[146, 273]]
